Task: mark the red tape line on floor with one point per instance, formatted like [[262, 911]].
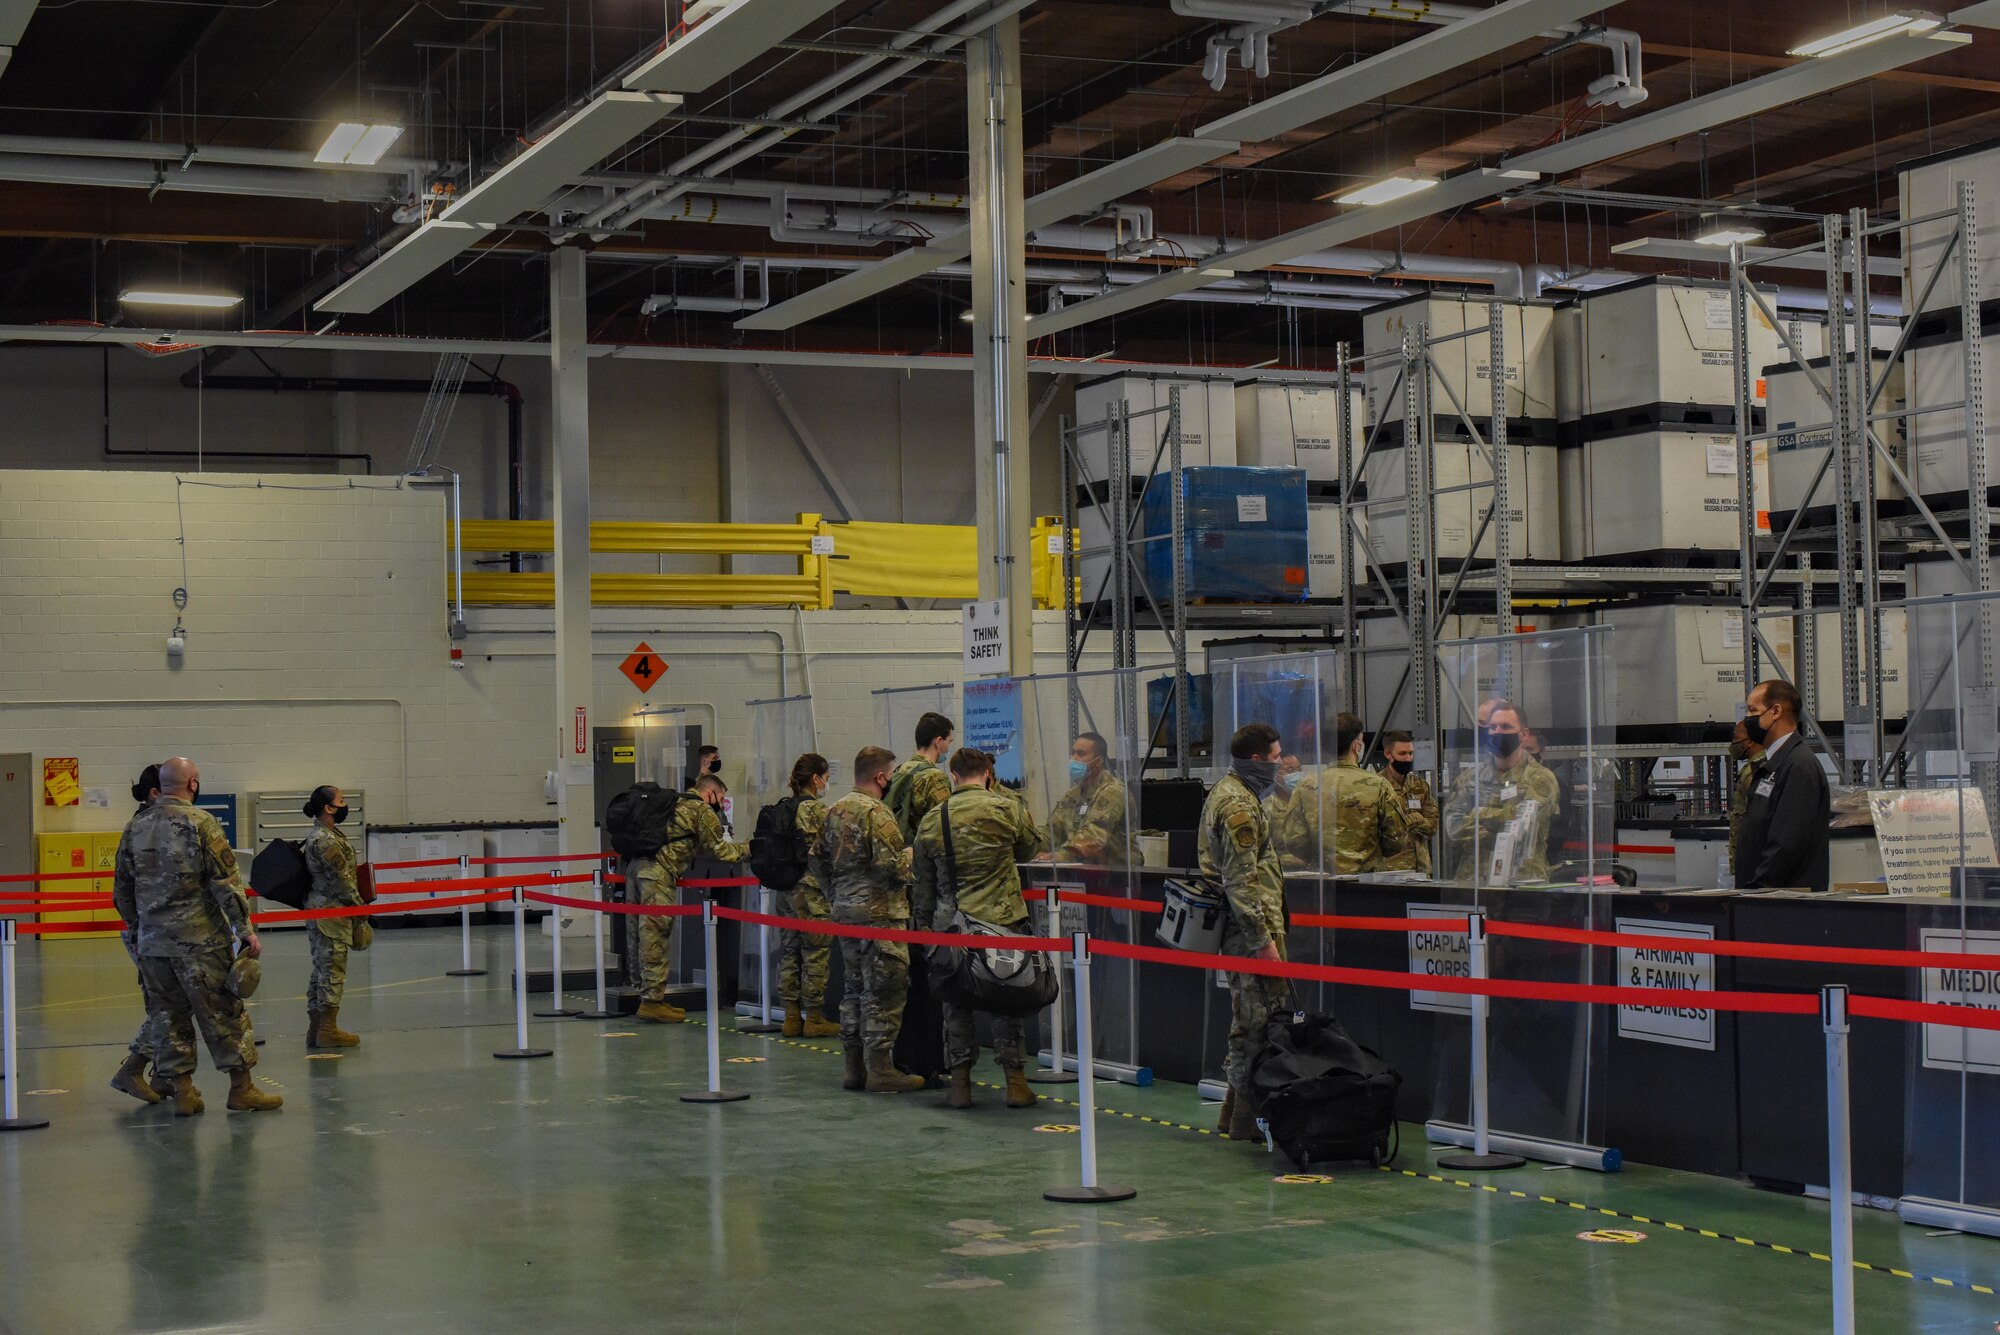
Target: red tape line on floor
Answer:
[[1763, 950], [1770, 1003], [640, 910], [1923, 1012], [1458, 925], [371, 910], [822, 927]]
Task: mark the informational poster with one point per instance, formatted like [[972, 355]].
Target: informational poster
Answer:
[[1947, 1047], [1925, 832], [993, 724], [1440, 954], [985, 627], [61, 781], [1668, 970]]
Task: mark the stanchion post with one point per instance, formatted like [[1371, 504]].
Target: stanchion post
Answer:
[[603, 1010], [13, 1121], [1482, 1158], [521, 1050], [1058, 1072], [1091, 1191], [556, 1010], [769, 901], [715, 1093], [465, 969], [1839, 1166]]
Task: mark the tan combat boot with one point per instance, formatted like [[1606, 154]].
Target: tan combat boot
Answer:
[[659, 1012], [187, 1099], [960, 1093], [853, 1072], [324, 1031], [244, 1096], [795, 1023], [884, 1078], [1242, 1120], [131, 1079], [818, 1026], [1228, 1107], [1020, 1094]]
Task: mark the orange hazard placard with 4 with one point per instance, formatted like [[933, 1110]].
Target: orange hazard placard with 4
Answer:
[[643, 667]]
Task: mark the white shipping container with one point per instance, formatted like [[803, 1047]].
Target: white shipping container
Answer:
[[1659, 341], [1682, 663], [1803, 419], [1535, 532], [1940, 464], [1930, 185], [1282, 425], [388, 844], [1323, 550], [1386, 655], [1208, 421], [1652, 491], [1464, 365], [1895, 665]]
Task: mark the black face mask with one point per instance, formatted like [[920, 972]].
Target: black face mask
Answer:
[[1402, 767], [339, 813], [1503, 744], [1753, 725], [1257, 775], [715, 764], [194, 791]]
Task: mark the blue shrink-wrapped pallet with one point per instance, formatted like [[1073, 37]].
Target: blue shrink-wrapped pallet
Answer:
[[1201, 709], [1245, 535]]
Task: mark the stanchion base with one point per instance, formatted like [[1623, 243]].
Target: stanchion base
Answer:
[[22, 1123], [1479, 1163], [597, 1015], [522, 1054], [714, 1096], [564, 1014], [1100, 1194], [465, 973], [1048, 1077], [760, 1028]]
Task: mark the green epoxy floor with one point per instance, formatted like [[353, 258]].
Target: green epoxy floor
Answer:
[[418, 1184]]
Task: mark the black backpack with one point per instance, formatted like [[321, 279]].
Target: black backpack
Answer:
[[638, 819], [280, 873], [1321, 1095], [775, 856]]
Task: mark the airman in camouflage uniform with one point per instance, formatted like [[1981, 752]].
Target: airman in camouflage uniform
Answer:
[[1419, 804], [176, 883], [1489, 795], [1088, 824], [861, 859], [1746, 754], [919, 783], [131, 1075], [694, 828], [1238, 858], [977, 873], [803, 956], [336, 884], [1291, 773], [1343, 821]]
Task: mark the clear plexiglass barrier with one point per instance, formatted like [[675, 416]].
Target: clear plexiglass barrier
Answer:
[[897, 709], [1936, 836], [661, 750], [780, 732]]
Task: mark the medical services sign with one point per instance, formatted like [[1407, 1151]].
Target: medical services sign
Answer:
[[1947, 1047]]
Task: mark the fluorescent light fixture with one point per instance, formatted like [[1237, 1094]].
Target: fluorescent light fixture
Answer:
[[966, 315], [154, 296], [354, 144], [1218, 273], [1893, 25], [1723, 229], [1389, 191]]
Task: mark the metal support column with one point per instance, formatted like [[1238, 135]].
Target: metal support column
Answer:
[[1746, 466], [1502, 513], [1418, 448], [569, 436], [1349, 583], [1841, 441]]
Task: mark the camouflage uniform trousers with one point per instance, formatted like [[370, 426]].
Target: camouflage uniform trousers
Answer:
[[193, 994], [1010, 1032], [655, 946], [803, 956], [148, 1037], [329, 973], [1252, 999], [878, 982]]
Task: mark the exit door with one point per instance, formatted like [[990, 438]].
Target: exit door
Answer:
[[17, 814]]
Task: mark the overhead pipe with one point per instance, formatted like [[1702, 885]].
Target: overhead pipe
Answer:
[[1625, 86], [293, 456]]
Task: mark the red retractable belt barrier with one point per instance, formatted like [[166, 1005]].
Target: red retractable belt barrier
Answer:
[[1895, 959], [544, 861], [822, 927], [1381, 924], [720, 883], [1095, 901], [1923, 1012], [49, 928], [640, 910], [371, 910], [420, 862], [53, 876], [57, 906]]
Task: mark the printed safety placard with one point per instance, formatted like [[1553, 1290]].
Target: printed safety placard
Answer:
[[1440, 955], [1668, 970]]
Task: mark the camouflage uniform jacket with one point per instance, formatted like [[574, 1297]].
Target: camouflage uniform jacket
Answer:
[[1498, 797], [1739, 801], [1239, 860], [991, 833], [336, 881], [1088, 824], [810, 819], [861, 862], [920, 783], [175, 877], [1420, 815], [695, 828], [1365, 828]]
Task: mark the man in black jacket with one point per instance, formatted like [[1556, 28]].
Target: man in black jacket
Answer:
[[1783, 841]]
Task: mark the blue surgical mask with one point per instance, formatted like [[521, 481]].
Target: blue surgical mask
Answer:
[[1078, 771], [1288, 780]]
